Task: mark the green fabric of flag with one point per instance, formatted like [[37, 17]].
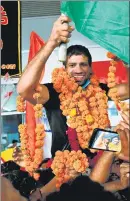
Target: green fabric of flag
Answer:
[[106, 23]]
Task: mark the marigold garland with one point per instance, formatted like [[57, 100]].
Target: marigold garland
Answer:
[[32, 146], [86, 109], [111, 82], [20, 104], [66, 165]]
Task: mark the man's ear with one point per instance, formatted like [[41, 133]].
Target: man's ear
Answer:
[[91, 72]]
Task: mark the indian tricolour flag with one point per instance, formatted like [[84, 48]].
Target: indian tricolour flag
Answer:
[[104, 22]]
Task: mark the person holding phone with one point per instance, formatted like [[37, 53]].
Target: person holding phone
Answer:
[[105, 164]]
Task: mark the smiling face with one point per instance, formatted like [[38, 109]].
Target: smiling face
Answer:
[[78, 67], [115, 140]]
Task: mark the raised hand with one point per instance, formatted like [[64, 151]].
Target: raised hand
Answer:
[[61, 31]]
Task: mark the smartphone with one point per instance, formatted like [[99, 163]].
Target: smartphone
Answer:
[[105, 140]]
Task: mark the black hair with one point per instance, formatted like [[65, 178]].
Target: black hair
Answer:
[[81, 189], [14, 141], [79, 50], [20, 180]]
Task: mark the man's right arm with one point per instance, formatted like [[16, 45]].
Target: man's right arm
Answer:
[[29, 80]]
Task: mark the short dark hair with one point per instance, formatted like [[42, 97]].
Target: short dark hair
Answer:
[[82, 188], [14, 141], [79, 50]]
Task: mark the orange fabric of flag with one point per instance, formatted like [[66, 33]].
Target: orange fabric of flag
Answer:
[[35, 44]]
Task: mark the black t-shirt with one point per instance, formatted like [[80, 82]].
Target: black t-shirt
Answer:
[[56, 119]]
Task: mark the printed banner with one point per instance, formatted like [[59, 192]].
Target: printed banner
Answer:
[[10, 38]]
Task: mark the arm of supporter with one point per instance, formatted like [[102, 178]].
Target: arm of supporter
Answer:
[[101, 171], [123, 182], [49, 187], [8, 192], [29, 81]]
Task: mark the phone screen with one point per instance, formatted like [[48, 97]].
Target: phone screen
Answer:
[[105, 140]]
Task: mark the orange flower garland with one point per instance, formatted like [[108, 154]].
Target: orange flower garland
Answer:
[[86, 109], [111, 82], [33, 156], [111, 55], [66, 165], [20, 104]]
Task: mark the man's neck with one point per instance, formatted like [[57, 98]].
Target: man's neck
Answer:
[[87, 82]]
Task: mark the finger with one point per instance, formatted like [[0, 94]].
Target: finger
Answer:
[[125, 117], [123, 138], [64, 39], [124, 158], [64, 18], [120, 127], [71, 28], [66, 34], [66, 27], [125, 125]]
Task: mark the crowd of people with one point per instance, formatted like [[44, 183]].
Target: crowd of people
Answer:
[[98, 184]]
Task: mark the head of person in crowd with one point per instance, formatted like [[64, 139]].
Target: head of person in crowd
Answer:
[[78, 63], [82, 188], [115, 140], [14, 143]]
